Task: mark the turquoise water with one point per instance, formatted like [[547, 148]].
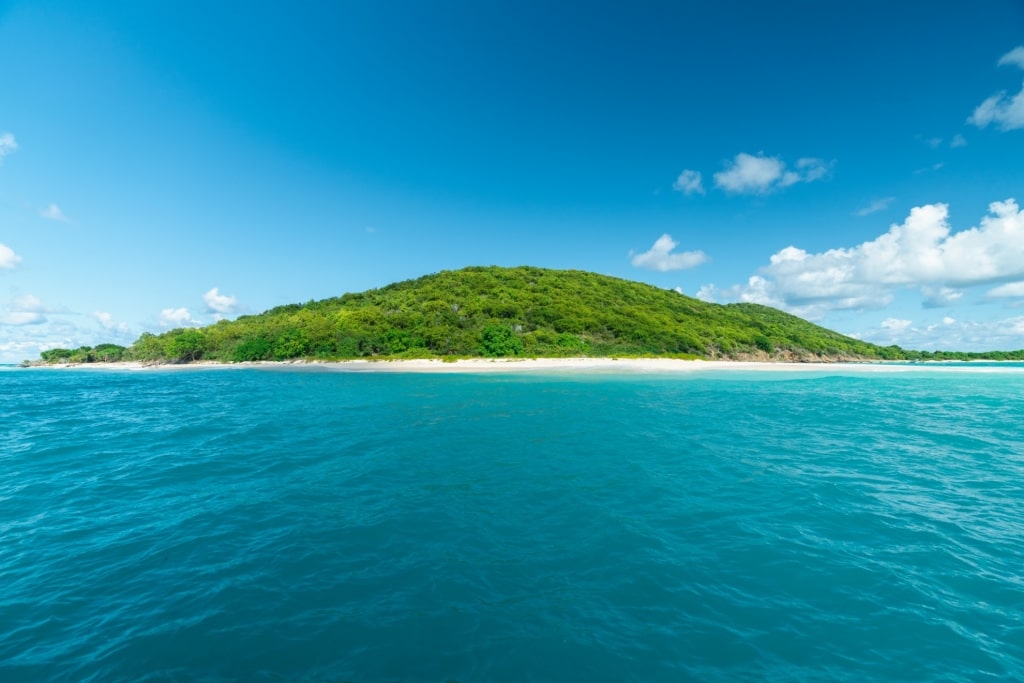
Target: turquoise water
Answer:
[[272, 525]]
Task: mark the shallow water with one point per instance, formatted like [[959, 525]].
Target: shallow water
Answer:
[[316, 526]]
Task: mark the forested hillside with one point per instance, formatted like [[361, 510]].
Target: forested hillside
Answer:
[[496, 312]]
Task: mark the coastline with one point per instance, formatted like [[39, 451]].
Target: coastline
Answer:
[[530, 365]]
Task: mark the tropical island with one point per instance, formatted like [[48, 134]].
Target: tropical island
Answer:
[[495, 312]]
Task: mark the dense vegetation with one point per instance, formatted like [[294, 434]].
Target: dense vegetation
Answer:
[[499, 312]]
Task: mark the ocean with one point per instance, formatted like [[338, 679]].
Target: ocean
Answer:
[[303, 525]]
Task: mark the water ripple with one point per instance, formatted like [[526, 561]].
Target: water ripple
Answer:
[[289, 526]]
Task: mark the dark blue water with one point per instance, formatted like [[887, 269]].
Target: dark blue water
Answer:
[[262, 525]]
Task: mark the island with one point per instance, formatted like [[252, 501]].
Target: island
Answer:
[[497, 312]]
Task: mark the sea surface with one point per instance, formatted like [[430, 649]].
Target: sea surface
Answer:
[[298, 525]]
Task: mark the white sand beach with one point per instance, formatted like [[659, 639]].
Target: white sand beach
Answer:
[[540, 365]]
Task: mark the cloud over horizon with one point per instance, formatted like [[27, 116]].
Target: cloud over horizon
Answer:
[[219, 304], [25, 310], [177, 317], [660, 257], [948, 334], [921, 252]]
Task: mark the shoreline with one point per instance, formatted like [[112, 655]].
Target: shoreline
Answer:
[[534, 365]]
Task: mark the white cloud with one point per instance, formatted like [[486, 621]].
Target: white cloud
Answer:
[[895, 324], [921, 252], [707, 293], [951, 334], [27, 302], [8, 259], [176, 317], [22, 318], [810, 169], [32, 304], [19, 347], [1014, 57], [1010, 289], [933, 142], [757, 290], [760, 174], [7, 145], [219, 304], [1007, 112], [958, 141], [53, 213], [689, 182], [28, 309], [1002, 109], [875, 206], [940, 297], [660, 256], [107, 322], [934, 167]]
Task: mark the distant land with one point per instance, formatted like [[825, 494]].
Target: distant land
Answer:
[[494, 312]]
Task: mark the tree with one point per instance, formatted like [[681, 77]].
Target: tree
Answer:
[[500, 340], [187, 346], [149, 347]]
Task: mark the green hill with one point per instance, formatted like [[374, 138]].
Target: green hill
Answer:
[[492, 311], [495, 311]]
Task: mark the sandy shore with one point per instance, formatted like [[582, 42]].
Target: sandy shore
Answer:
[[541, 365]]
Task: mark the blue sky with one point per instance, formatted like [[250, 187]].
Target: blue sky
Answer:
[[165, 164]]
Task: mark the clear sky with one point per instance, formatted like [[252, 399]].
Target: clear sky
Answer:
[[163, 164]]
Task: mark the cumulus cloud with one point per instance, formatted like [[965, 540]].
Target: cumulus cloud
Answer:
[[53, 213], [1010, 289], [958, 141], [895, 324], [28, 309], [757, 290], [951, 334], [8, 259], [219, 304], [7, 145], [1014, 57], [28, 302], [874, 206], [177, 317], [760, 174], [940, 297], [689, 182], [107, 322], [22, 318], [1005, 111], [1002, 109], [13, 350], [661, 257], [921, 252]]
